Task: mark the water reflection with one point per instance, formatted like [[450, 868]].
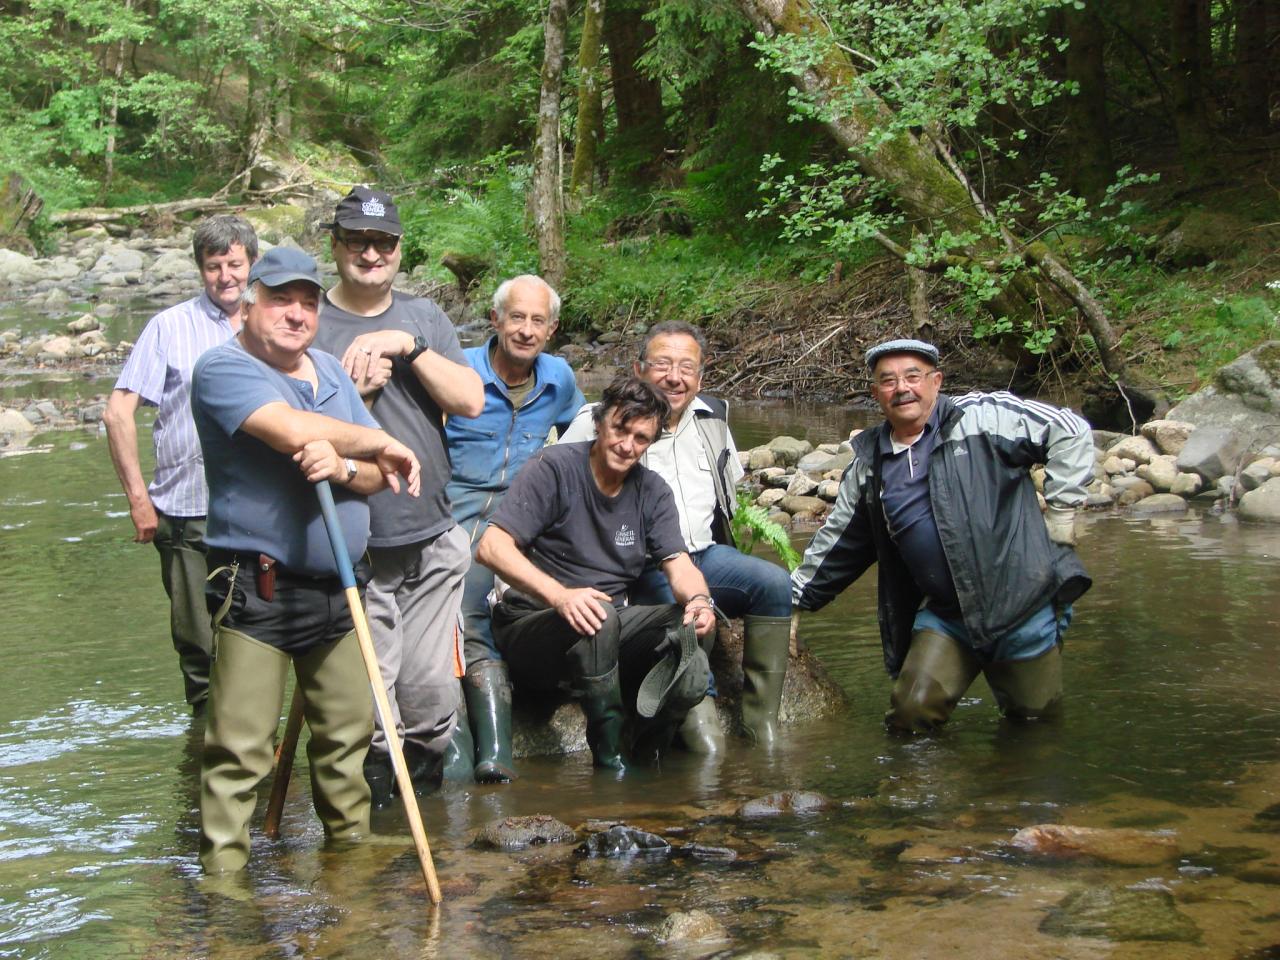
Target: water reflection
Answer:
[[1172, 722]]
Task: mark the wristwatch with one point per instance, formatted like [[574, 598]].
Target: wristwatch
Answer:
[[420, 346], [352, 470]]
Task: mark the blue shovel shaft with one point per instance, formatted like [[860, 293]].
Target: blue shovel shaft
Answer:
[[329, 511]]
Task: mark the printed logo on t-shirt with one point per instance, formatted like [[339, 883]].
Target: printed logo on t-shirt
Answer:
[[625, 537]]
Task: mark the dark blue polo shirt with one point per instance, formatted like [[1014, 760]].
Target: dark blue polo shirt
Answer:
[[904, 497]]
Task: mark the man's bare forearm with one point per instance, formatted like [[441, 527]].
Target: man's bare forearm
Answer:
[[497, 550], [122, 444], [287, 430]]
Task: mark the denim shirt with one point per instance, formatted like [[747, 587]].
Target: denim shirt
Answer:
[[488, 451]]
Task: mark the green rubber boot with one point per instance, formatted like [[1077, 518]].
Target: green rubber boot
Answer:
[[460, 754], [246, 688], [935, 675], [340, 717], [701, 730], [488, 694], [1028, 689], [601, 699], [766, 644]]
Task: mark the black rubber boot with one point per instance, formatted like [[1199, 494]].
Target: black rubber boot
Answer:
[[766, 644], [601, 699], [381, 778], [488, 695], [460, 754], [426, 770]]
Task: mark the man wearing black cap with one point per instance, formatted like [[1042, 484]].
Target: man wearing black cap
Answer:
[[403, 355], [273, 418], [971, 579]]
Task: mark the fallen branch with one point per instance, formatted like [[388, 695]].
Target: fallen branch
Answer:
[[110, 214]]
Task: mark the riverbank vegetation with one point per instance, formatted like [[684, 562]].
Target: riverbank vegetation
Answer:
[[1049, 188]]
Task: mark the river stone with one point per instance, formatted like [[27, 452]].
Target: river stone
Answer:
[[820, 461], [1105, 439], [117, 258], [106, 310], [1137, 449], [770, 474], [1114, 465], [1169, 436], [276, 223], [789, 450], [781, 518], [797, 802], [57, 348], [1229, 487], [518, 833], [776, 481], [1186, 484], [1244, 395], [689, 925], [744, 459], [91, 413], [1098, 501], [801, 485], [1211, 452], [768, 498], [14, 424], [761, 458], [803, 506], [1257, 473], [19, 270], [84, 324], [1161, 503], [1132, 493], [623, 841], [1122, 846], [829, 490], [1120, 914], [1160, 472], [1262, 504], [173, 265]]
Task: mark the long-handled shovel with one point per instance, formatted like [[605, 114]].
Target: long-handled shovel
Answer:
[[347, 576], [284, 766]]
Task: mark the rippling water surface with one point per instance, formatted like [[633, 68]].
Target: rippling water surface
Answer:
[[1173, 724]]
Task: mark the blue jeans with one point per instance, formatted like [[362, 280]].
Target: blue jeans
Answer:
[[739, 584]]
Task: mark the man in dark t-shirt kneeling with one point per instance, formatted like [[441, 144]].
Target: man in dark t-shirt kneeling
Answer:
[[571, 538]]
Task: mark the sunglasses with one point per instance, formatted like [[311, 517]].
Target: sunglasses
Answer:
[[358, 244]]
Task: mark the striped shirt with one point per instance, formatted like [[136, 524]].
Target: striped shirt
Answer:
[[159, 371]]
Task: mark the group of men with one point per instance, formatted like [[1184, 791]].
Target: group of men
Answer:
[[595, 565]]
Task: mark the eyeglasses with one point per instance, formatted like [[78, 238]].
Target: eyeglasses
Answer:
[[358, 244], [663, 365], [912, 379]]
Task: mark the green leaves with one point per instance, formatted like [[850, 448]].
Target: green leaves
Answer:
[[751, 524]]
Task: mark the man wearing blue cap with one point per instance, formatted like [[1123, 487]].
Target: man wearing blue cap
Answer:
[[403, 355], [274, 417], [971, 579]]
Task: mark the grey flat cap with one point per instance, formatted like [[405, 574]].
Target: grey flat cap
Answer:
[[926, 350]]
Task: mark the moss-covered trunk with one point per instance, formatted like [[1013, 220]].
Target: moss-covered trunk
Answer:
[[590, 112], [548, 205]]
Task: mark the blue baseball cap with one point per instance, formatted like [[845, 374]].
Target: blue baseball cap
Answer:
[[281, 265], [919, 347]]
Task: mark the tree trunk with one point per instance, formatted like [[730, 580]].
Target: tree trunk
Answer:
[[590, 110], [926, 188], [548, 207], [1190, 116], [641, 136], [1093, 168], [1253, 79], [109, 160]]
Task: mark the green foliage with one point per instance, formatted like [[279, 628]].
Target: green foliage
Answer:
[[751, 525]]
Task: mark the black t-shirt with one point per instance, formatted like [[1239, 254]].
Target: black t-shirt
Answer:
[[571, 531], [406, 411]]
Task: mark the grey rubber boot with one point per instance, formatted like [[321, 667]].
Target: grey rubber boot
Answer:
[[701, 730], [460, 754], [488, 694], [935, 675], [246, 694], [1028, 689], [340, 717], [766, 644], [601, 699]]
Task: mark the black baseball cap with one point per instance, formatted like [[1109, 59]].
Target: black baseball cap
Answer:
[[367, 209]]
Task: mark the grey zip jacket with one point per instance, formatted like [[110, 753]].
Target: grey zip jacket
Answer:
[[999, 553]]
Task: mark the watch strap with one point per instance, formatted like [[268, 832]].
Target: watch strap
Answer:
[[420, 346]]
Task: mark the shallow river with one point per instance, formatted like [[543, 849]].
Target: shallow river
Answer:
[[1173, 724]]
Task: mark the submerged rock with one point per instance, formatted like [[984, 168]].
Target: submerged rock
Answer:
[[1120, 914], [517, 833], [1122, 846], [623, 841], [689, 925], [786, 801]]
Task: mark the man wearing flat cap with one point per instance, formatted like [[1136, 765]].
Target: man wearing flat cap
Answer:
[[403, 355], [971, 578], [275, 417]]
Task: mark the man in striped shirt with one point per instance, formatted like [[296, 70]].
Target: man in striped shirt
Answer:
[[170, 512]]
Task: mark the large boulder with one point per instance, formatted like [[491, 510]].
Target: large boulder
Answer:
[[14, 424], [1263, 503], [283, 221], [118, 259], [787, 451], [1138, 449], [1201, 238], [1244, 396], [821, 461], [1169, 436], [173, 265], [19, 270], [1160, 472], [1212, 452]]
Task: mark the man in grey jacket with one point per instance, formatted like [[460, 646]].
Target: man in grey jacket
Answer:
[[971, 580]]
